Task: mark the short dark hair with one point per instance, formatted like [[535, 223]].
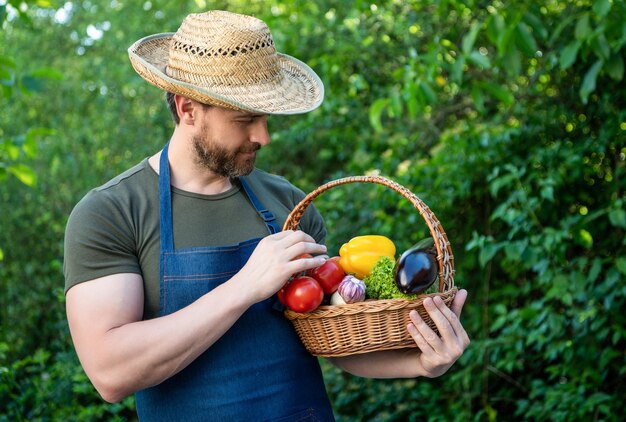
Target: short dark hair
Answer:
[[169, 98]]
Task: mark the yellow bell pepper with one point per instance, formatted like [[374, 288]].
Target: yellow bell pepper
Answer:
[[359, 255]]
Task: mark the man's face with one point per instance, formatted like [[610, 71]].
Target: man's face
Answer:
[[228, 140]]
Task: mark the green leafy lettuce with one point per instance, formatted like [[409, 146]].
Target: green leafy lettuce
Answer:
[[381, 284]]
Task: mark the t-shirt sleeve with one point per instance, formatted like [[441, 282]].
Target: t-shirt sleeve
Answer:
[[98, 241]]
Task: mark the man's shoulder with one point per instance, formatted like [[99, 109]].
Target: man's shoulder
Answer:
[[119, 189], [279, 186], [139, 170], [262, 176], [281, 196]]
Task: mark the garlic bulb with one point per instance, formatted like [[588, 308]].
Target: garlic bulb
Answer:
[[351, 289], [336, 299]]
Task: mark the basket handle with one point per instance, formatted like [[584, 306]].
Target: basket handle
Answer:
[[445, 258]]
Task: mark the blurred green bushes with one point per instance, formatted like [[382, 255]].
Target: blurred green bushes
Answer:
[[507, 119]]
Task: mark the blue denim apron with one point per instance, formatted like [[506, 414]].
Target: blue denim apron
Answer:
[[258, 370]]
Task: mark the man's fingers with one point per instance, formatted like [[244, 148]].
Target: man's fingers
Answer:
[[301, 248], [290, 237], [453, 319], [281, 235], [441, 320], [419, 339], [295, 243], [459, 301], [421, 332], [303, 264]]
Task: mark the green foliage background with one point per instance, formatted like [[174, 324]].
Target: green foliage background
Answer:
[[507, 118]]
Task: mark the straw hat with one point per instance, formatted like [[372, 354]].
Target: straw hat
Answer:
[[228, 60]]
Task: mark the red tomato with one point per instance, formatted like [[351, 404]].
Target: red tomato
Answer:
[[281, 294], [303, 294], [329, 275]]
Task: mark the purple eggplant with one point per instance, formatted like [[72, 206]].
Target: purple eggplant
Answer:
[[416, 269]]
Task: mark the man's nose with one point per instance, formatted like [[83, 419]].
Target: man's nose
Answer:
[[259, 133]]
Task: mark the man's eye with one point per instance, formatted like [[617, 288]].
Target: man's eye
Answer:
[[248, 120]]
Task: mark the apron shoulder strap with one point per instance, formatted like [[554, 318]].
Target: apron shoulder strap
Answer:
[[266, 215], [165, 202]]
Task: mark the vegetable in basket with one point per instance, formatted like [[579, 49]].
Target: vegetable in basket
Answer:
[[361, 253], [416, 269], [328, 275], [381, 284], [350, 290], [302, 294]]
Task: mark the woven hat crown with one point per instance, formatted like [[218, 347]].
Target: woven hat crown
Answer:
[[228, 60], [223, 48]]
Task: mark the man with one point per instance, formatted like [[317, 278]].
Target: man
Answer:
[[172, 267]]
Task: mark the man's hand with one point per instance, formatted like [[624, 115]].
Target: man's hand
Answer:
[[274, 261], [439, 353]]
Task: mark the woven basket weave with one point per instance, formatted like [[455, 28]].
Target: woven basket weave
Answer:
[[372, 325]]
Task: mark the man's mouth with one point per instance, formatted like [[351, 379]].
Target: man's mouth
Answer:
[[250, 150]]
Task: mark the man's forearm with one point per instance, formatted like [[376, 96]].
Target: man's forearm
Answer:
[[401, 363]]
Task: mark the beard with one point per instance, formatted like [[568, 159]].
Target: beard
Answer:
[[222, 161]]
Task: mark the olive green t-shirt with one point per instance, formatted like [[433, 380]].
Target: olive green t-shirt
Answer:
[[115, 227]]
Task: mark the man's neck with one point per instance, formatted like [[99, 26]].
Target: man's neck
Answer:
[[185, 174]]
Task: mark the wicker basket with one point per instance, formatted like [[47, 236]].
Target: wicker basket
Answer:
[[372, 325]]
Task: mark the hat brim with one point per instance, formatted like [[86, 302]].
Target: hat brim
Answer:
[[297, 90]]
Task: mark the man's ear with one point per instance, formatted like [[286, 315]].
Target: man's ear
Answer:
[[185, 109]]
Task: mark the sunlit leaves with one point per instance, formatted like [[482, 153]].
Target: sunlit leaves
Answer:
[[7, 75], [375, 113], [504, 43], [14, 150], [11, 149], [24, 173]]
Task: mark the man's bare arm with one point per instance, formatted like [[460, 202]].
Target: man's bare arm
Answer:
[[122, 354]]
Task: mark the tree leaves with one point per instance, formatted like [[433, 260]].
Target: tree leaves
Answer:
[[583, 27], [478, 110], [467, 45], [24, 173], [615, 67], [601, 7], [525, 40], [568, 55], [589, 81], [375, 113]]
